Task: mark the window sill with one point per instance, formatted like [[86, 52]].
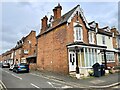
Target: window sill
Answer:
[[91, 42], [108, 61], [85, 67], [78, 40]]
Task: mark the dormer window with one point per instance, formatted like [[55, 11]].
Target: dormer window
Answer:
[[91, 37], [78, 33]]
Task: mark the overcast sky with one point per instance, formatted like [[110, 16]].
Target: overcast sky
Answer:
[[19, 18]]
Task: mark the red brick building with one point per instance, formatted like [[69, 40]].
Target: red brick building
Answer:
[[69, 43], [56, 44], [6, 57], [25, 48]]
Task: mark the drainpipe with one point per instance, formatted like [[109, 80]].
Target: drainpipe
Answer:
[[105, 59], [77, 68]]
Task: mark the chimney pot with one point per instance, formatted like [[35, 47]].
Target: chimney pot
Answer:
[[44, 23], [57, 11]]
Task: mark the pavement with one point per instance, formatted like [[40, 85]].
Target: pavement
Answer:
[[107, 81]]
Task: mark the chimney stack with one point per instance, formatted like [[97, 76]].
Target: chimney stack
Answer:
[[44, 24], [97, 25], [114, 30], [57, 11]]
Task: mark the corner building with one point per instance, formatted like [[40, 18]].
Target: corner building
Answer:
[[57, 42]]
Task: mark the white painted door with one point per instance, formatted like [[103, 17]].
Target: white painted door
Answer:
[[72, 61]]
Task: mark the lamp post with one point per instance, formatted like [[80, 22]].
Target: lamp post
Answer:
[[77, 68]]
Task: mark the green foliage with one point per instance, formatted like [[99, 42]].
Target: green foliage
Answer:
[[91, 72]]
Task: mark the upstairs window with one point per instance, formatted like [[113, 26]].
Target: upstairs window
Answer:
[[91, 37], [26, 51], [103, 39], [78, 33]]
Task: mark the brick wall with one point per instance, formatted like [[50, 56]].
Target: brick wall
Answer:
[[52, 52], [17, 57], [30, 46]]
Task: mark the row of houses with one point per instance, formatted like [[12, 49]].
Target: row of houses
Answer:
[[24, 50], [67, 43]]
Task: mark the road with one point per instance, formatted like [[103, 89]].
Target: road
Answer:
[[29, 80], [35, 80]]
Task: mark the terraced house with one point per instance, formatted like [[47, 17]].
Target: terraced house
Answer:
[[24, 51], [26, 48], [69, 44], [7, 56]]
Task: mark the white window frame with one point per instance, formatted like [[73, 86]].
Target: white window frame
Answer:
[[26, 51], [91, 40], [108, 55], [103, 40], [15, 53], [75, 31]]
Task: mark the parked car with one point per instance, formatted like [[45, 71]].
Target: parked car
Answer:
[[22, 67], [11, 67], [5, 65]]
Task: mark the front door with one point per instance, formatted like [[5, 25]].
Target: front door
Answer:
[[72, 61]]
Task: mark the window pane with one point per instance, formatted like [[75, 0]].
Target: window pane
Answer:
[[90, 37], [78, 31], [77, 34], [103, 39]]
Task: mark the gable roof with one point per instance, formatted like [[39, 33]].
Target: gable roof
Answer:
[[64, 19]]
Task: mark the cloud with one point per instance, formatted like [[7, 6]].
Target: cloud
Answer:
[[19, 18], [106, 14], [24, 3]]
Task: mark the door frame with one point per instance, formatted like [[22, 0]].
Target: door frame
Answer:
[[73, 62]]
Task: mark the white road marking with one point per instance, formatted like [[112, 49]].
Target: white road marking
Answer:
[[56, 83], [39, 76], [34, 74], [13, 74], [2, 85], [50, 84], [34, 85], [67, 87], [69, 84], [7, 72], [16, 76]]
